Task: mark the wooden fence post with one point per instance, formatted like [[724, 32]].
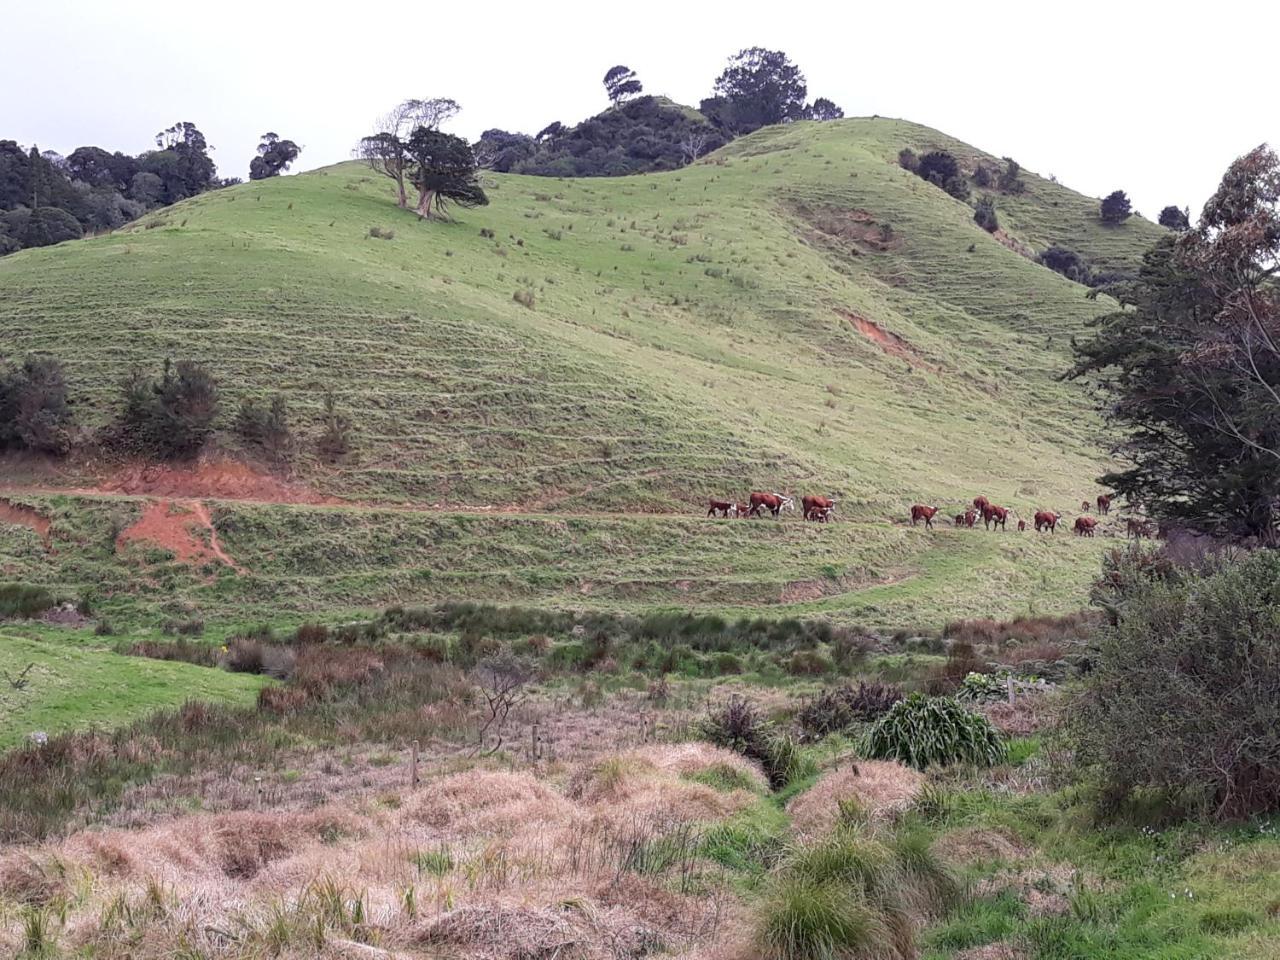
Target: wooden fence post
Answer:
[[257, 782], [1009, 686], [413, 764]]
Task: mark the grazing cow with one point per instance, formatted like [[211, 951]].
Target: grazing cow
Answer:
[[1084, 505], [741, 510], [1084, 526], [1046, 520], [721, 507], [1022, 525], [775, 503], [959, 519], [1137, 529], [970, 518], [817, 505], [819, 514], [992, 514], [1104, 504], [920, 512], [980, 504]]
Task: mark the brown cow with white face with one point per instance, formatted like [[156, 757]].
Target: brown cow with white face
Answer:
[[980, 504], [1104, 504], [1046, 520], [993, 515], [775, 503], [723, 508], [816, 507], [1084, 526], [742, 510], [920, 512], [970, 518]]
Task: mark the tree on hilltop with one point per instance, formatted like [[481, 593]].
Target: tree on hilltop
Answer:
[[1175, 219], [620, 83], [824, 109], [500, 150], [274, 155], [182, 162], [757, 88], [443, 169], [1115, 207], [386, 151]]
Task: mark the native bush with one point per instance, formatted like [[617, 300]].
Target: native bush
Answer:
[[840, 708], [985, 215], [335, 440], [923, 731], [1066, 262], [266, 428], [33, 406], [1184, 698], [24, 600], [739, 726], [171, 417]]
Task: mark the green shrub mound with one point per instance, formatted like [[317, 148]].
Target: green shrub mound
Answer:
[[737, 725], [1184, 697], [925, 731], [852, 895]]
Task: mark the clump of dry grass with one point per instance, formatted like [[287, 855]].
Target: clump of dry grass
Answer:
[[980, 845], [878, 788], [1026, 716], [489, 801]]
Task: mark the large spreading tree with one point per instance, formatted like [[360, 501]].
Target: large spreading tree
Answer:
[[386, 151], [620, 83], [1191, 371], [757, 88], [443, 169], [274, 156]]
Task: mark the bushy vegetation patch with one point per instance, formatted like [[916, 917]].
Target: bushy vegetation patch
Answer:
[[923, 732], [739, 726], [24, 601], [840, 708], [1184, 698]]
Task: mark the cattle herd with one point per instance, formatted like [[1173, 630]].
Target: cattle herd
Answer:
[[822, 509]]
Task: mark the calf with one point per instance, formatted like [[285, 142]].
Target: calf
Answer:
[[970, 518], [920, 512], [775, 503], [1046, 520], [959, 521], [1084, 526], [993, 515], [741, 510], [1104, 504], [817, 505], [1022, 525], [721, 507], [820, 514], [1137, 529], [1084, 505]]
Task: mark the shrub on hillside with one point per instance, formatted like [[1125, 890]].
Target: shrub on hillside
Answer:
[[24, 601], [985, 215], [908, 160], [1010, 180], [923, 731], [1068, 263], [1183, 698], [169, 418], [840, 708], [1115, 207], [267, 428], [737, 725], [34, 414], [335, 440]]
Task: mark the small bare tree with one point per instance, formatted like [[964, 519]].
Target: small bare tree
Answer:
[[503, 682], [694, 142], [21, 681]]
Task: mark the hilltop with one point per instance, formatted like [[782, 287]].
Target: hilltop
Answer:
[[794, 311]]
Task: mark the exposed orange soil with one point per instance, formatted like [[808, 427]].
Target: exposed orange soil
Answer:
[[176, 526], [890, 343], [25, 517], [212, 479]]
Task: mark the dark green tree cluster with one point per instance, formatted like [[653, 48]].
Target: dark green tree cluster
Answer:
[[46, 199], [941, 169], [760, 87], [1175, 219], [169, 418], [984, 215], [1190, 371], [621, 83], [1115, 207], [34, 414], [274, 157]]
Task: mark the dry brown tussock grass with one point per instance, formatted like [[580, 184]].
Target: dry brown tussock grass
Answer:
[[1024, 717], [880, 788], [978, 845]]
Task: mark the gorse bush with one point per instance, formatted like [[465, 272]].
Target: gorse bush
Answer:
[[923, 732], [169, 418], [1184, 697], [34, 414], [266, 428], [840, 708]]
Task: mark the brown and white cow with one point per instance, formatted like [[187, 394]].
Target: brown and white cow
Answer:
[[1084, 526], [992, 514], [723, 508], [742, 510], [980, 504], [970, 518], [1046, 520], [959, 520], [775, 503], [1104, 504], [817, 507], [920, 512]]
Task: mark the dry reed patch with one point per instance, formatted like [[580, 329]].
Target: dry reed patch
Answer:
[[1026, 716], [880, 788], [633, 786], [977, 845], [29, 880], [695, 757], [487, 801]]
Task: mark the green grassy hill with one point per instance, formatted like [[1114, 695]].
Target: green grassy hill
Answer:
[[793, 312]]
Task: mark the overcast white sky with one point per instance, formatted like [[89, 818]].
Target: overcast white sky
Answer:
[[1152, 98]]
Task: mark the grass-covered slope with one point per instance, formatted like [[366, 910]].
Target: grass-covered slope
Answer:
[[691, 332]]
